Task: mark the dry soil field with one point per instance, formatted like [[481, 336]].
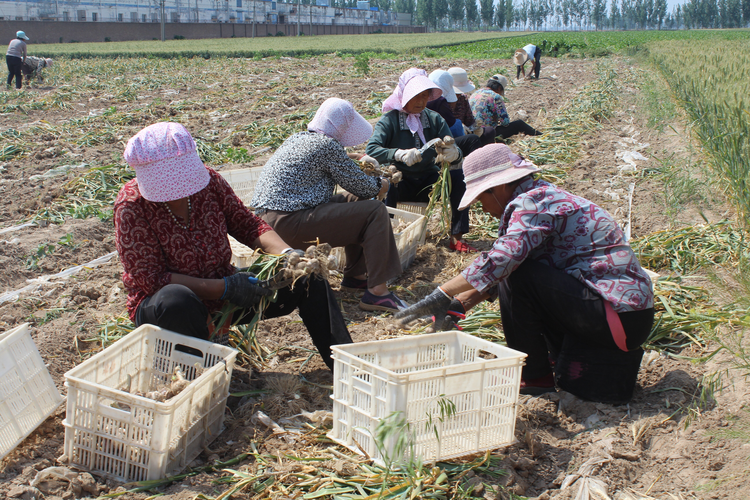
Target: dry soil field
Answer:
[[676, 439]]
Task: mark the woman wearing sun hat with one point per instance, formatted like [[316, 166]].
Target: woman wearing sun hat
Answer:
[[406, 126], [295, 196], [573, 296], [488, 106], [171, 225], [528, 53], [442, 105], [462, 109], [15, 56]]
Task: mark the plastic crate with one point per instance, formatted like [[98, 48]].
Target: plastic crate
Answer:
[[414, 207], [409, 239], [118, 435], [27, 394], [243, 182], [416, 376], [242, 256]]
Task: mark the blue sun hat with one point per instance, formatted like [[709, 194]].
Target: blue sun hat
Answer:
[[21, 35]]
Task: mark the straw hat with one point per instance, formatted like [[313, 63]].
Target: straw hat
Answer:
[[444, 80], [520, 57], [337, 119], [461, 81], [166, 162], [488, 167]]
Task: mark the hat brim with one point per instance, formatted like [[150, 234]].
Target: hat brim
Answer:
[[416, 86], [357, 133], [520, 58], [465, 89], [158, 181], [505, 174]]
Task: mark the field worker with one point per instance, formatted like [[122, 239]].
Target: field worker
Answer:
[[528, 53], [441, 105], [32, 68], [15, 56], [572, 294], [171, 225], [462, 110], [488, 106], [406, 126], [294, 195]]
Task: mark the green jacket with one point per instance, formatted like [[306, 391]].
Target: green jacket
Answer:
[[392, 133]]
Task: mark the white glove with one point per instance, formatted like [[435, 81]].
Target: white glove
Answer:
[[467, 130], [408, 156], [369, 159], [478, 131], [448, 150]]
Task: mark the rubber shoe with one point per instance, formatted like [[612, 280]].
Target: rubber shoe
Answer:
[[388, 303], [462, 247], [353, 284], [538, 386]]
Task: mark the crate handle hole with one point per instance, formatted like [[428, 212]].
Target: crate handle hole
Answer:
[[486, 354], [189, 350]]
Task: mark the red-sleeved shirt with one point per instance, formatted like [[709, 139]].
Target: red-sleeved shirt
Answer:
[[152, 246]]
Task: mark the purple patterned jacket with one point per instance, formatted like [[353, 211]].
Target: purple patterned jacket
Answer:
[[566, 232]]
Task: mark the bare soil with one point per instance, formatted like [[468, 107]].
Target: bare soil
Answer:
[[663, 443]]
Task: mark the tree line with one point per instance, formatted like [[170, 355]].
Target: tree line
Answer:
[[566, 14]]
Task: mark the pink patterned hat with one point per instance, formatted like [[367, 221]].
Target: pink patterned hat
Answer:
[[166, 162], [491, 166], [337, 119]]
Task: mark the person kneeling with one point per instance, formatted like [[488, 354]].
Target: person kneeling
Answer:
[[572, 293]]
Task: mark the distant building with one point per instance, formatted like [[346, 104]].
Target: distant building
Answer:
[[192, 11]]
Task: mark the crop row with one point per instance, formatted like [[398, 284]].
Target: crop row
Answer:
[[265, 46], [711, 82], [582, 43]]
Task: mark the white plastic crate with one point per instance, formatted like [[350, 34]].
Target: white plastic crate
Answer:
[[409, 239], [416, 376], [242, 256], [27, 394], [415, 207], [243, 182], [118, 435]]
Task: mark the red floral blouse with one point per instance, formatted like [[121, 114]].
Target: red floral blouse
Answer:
[[152, 246]]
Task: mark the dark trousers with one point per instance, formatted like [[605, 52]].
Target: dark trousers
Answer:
[[14, 70], [537, 65], [562, 326], [362, 227], [516, 127], [419, 188], [179, 309]]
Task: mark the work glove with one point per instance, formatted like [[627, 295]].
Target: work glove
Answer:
[[408, 156], [467, 130], [242, 290], [447, 150], [456, 312], [478, 131], [370, 160], [435, 304]]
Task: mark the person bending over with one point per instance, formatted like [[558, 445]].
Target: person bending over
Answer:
[[573, 296]]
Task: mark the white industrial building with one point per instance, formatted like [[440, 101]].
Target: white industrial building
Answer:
[[192, 11]]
